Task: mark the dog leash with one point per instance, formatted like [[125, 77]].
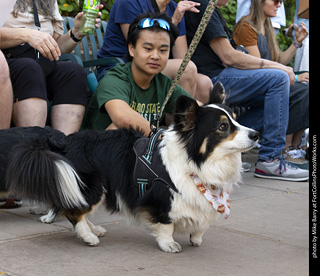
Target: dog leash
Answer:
[[193, 45]]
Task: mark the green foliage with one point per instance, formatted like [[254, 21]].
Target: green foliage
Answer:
[[68, 7], [107, 5], [229, 13], [73, 7]]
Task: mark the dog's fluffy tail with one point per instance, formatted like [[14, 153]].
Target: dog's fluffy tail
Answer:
[[44, 176]]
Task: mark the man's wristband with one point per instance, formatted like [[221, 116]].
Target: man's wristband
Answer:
[[74, 38], [296, 78]]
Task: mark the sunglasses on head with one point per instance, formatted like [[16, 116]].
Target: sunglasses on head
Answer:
[[148, 22], [276, 2]]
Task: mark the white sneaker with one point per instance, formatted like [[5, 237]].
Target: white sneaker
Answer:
[[281, 170]]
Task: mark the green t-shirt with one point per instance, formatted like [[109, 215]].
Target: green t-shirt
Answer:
[[118, 83]]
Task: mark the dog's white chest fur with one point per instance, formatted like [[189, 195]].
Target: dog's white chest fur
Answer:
[[191, 212]]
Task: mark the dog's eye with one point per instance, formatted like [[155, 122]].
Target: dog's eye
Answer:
[[223, 127]]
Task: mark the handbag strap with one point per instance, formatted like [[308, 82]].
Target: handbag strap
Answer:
[[226, 29], [155, 6], [38, 25], [36, 17]]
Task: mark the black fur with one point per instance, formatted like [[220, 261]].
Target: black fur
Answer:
[[104, 160]]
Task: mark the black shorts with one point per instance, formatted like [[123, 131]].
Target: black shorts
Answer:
[[65, 85]]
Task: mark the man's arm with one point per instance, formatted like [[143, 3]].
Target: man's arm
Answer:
[[231, 57], [123, 116], [180, 47], [125, 28]]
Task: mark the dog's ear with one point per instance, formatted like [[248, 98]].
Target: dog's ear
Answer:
[[217, 94], [186, 112]]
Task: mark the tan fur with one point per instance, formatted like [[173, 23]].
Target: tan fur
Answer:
[[204, 146]]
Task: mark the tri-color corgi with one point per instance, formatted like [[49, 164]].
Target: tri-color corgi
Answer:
[[200, 153]]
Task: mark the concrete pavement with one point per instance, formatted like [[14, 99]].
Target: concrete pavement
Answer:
[[266, 234]]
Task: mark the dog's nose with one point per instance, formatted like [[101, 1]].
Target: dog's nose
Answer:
[[254, 135]]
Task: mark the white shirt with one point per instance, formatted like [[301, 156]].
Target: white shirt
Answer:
[[26, 20]]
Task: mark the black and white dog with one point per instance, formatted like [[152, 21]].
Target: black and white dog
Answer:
[[72, 174]]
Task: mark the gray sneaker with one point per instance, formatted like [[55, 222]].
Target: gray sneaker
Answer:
[[246, 166], [281, 170]]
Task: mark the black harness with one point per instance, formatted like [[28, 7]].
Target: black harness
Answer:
[[149, 168]]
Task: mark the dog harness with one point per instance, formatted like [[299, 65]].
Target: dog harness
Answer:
[[219, 199], [149, 168]]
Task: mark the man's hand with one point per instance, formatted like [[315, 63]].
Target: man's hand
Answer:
[[291, 74]]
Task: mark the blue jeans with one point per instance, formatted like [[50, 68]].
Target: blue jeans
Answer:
[[266, 92]]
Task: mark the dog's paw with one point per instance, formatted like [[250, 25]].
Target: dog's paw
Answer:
[[48, 218], [45, 219], [196, 240], [170, 247], [91, 239], [98, 231]]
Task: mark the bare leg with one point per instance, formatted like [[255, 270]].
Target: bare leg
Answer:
[[188, 78], [67, 117], [6, 94], [204, 86], [197, 85], [296, 139], [30, 112], [293, 140], [289, 140]]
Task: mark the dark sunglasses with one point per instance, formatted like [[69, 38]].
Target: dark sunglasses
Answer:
[[276, 2], [148, 22]]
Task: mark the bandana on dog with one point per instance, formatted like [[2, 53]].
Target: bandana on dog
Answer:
[[219, 199]]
